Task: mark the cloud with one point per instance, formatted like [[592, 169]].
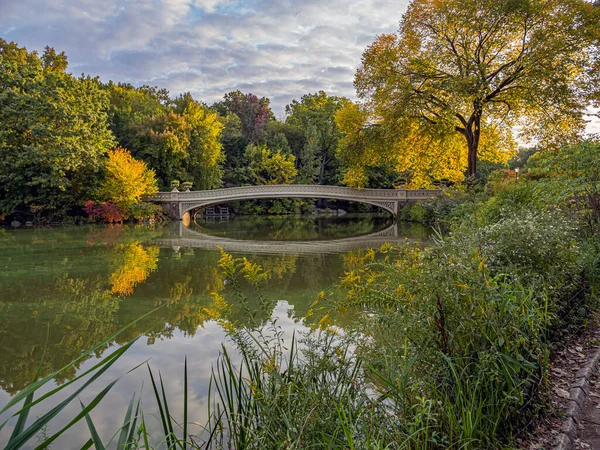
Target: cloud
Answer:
[[281, 49]]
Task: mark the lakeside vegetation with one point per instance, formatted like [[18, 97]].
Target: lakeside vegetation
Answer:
[[444, 345], [448, 347]]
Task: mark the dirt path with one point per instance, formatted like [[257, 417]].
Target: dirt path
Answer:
[[588, 430], [569, 354]]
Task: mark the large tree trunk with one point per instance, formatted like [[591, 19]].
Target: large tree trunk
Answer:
[[473, 133]]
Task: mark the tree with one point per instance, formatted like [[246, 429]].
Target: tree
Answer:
[[179, 142], [310, 157], [205, 152], [267, 167], [234, 145], [461, 74], [254, 113], [127, 179], [53, 133], [316, 112]]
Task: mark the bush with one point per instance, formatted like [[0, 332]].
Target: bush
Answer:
[[531, 244], [404, 213], [418, 213], [105, 211], [146, 211]]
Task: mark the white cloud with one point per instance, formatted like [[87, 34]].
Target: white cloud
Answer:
[[280, 49]]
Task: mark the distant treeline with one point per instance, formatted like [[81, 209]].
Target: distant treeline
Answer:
[[57, 131]]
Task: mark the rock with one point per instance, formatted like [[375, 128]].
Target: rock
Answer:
[[15, 224], [562, 393]]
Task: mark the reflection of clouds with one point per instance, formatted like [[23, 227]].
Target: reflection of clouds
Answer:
[[166, 356], [180, 282]]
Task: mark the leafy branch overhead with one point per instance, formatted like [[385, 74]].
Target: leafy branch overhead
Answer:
[[461, 76]]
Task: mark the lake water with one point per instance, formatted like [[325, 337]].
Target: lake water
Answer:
[[64, 290]]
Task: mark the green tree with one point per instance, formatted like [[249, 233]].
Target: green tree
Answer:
[[130, 106], [234, 145], [268, 167], [310, 157], [179, 139], [53, 133], [317, 112], [461, 74]]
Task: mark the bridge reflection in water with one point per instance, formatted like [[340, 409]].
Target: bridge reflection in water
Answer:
[[188, 238]]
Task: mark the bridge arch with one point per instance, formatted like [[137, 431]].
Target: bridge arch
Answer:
[[187, 208], [184, 237], [178, 203]]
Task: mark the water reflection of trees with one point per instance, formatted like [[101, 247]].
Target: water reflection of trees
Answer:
[[300, 228], [65, 290], [133, 265], [72, 289]]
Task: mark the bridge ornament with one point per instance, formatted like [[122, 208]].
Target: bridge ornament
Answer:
[[179, 203]]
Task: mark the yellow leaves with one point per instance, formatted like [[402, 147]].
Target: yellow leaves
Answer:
[[358, 259], [127, 179], [135, 264], [227, 264], [481, 267], [350, 279], [205, 132], [270, 365], [356, 177], [218, 308], [325, 321], [232, 267], [269, 167], [252, 272], [385, 248]]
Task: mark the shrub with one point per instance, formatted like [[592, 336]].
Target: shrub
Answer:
[[418, 213], [404, 213], [105, 211], [143, 210], [531, 244]]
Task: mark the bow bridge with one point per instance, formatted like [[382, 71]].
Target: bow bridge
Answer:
[[180, 203]]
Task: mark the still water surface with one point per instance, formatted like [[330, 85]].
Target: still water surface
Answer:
[[64, 290]]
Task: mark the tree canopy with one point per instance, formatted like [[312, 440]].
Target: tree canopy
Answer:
[[53, 133], [127, 179], [315, 113], [461, 75], [179, 139]]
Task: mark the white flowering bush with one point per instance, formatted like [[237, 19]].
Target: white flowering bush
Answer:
[[531, 243]]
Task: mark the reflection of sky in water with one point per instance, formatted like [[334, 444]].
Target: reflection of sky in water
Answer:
[[202, 351], [66, 289]]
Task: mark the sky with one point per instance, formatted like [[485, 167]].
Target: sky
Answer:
[[281, 49]]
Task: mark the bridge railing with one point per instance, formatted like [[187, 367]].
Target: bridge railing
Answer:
[[290, 189]]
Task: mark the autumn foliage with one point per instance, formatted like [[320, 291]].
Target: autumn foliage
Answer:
[[106, 212], [127, 179]]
